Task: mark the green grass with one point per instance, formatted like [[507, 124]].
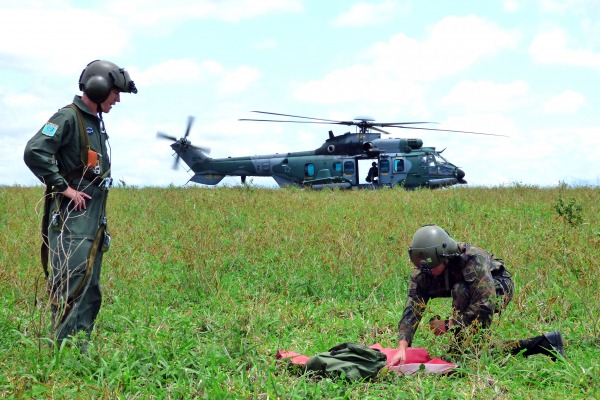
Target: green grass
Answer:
[[202, 287]]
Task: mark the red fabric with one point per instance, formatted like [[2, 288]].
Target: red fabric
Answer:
[[413, 354], [415, 357], [294, 358]]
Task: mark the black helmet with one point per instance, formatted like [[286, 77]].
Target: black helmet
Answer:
[[431, 245], [100, 76]]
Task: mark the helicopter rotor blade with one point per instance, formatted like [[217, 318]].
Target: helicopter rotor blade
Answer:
[[300, 122], [380, 130], [189, 126], [355, 122], [400, 123], [200, 148], [162, 135], [362, 124], [446, 130]]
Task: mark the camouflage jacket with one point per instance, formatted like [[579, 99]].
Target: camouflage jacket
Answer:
[[473, 266]]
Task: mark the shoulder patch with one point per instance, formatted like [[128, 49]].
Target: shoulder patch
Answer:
[[49, 129]]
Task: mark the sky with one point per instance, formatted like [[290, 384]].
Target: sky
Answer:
[[528, 69]]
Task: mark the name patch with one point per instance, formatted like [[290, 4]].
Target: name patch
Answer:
[[49, 129]]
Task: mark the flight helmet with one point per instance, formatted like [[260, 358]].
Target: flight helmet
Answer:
[[100, 76], [431, 245]]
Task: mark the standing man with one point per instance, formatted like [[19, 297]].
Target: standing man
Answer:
[[478, 284], [373, 174], [70, 154]]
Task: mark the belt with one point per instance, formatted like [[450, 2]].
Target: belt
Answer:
[[101, 183]]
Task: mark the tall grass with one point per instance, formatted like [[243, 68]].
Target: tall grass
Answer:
[[202, 286]]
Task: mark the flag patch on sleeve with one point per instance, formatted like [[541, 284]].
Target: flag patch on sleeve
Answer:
[[49, 129]]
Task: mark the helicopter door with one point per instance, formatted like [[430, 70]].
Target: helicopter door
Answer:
[[350, 170], [385, 175]]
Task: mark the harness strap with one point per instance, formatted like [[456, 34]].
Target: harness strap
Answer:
[[84, 140], [84, 169]]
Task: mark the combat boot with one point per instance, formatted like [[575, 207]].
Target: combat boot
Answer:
[[550, 344]]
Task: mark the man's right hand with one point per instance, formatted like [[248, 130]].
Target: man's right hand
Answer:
[[78, 198], [400, 356]]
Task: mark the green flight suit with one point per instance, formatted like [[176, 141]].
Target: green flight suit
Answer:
[[75, 238], [478, 284]]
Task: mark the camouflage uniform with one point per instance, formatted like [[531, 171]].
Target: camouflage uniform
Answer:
[[478, 284], [75, 239]]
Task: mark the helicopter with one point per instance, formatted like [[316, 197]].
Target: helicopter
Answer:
[[336, 163]]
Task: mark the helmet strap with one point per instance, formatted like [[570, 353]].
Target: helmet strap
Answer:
[[446, 278], [102, 127]]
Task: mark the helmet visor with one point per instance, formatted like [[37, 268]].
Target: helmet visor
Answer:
[[122, 81], [426, 257]]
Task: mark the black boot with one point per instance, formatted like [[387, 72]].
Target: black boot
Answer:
[[549, 344]]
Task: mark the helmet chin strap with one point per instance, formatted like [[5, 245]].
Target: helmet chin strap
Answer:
[[446, 278], [99, 105]]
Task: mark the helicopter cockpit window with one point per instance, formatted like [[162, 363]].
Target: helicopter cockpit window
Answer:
[[444, 167], [348, 167], [337, 167], [428, 162], [384, 166], [309, 169], [399, 165]]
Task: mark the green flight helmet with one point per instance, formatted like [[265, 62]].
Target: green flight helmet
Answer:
[[430, 246], [100, 76]]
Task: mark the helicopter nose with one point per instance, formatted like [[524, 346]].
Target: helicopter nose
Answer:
[[460, 174]]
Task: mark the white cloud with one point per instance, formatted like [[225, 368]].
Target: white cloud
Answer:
[[563, 6], [177, 71], [190, 72], [550, 47], [161, 14], [363, 14], [396, 66], [238, 80], [487, 96], [454, 44], [357, 82], [20, 100], [58, 38], [567, 102], [265, 44], [38, 38], [511, 5]]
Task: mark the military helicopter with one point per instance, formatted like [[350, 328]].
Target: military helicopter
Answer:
[[336, 163]]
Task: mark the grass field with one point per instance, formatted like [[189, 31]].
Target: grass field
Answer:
[[202, 287]]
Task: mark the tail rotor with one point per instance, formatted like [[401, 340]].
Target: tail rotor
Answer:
[[184, 143]]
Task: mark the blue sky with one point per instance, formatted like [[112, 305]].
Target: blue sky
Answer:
[[526, 69]]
